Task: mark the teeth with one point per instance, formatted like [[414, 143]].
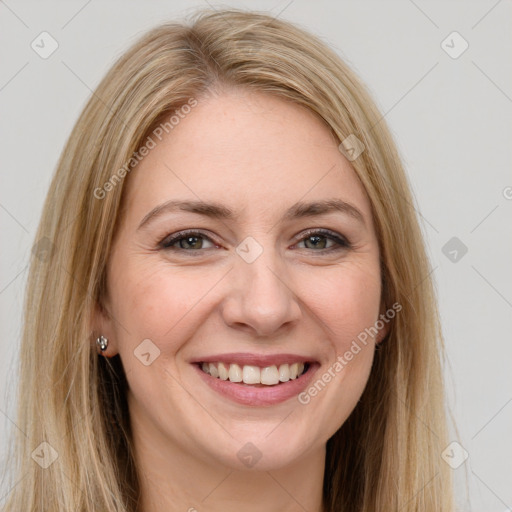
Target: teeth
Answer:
[[235, 373], [249, 374], [284, 373], [270, 375], [213, 370], [223, 371]]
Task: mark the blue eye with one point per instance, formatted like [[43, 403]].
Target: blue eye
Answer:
[[194, 241]]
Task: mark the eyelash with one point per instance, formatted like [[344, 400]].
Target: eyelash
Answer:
[[342, 242]]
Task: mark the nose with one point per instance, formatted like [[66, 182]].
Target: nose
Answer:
[[260, 298]]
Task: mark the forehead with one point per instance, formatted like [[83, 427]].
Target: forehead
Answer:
[[247, 150]]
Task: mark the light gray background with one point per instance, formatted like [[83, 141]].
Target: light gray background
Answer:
[[452, 123]]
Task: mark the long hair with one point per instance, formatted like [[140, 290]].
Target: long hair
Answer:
[[387, 454]]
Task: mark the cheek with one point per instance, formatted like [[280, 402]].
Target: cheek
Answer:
[[156, 310], [344, 304], [158, 303], [347, 303]]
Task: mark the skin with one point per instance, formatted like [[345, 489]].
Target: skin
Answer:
[[257, 155]]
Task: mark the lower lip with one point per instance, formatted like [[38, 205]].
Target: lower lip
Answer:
[[257, 396]]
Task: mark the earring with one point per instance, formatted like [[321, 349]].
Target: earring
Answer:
[[102, 342]]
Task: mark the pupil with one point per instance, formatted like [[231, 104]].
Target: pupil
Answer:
[[190, 240], [316, 240]]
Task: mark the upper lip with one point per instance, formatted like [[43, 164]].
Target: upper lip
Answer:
[[262, 361]]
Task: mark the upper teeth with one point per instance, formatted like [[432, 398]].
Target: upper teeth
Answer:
[[269, 375]]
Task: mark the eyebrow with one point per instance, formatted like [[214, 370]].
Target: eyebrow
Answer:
[[219, 211]]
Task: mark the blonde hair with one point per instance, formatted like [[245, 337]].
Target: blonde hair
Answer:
[[387, 455]]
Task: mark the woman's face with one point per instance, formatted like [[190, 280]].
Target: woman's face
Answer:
[[269, 275]]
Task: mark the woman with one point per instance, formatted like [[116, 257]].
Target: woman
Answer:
[[235, 306]]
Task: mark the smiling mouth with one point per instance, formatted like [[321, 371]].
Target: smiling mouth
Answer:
[[255, 376]]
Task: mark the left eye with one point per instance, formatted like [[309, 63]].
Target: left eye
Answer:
[[195, 240], [320, 240]]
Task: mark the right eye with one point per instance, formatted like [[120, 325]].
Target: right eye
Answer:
[[190, 241]]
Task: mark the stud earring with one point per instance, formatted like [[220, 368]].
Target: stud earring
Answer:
[[102, 343]]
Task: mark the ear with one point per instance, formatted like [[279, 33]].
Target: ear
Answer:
[[102, 325], [384, 323]]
